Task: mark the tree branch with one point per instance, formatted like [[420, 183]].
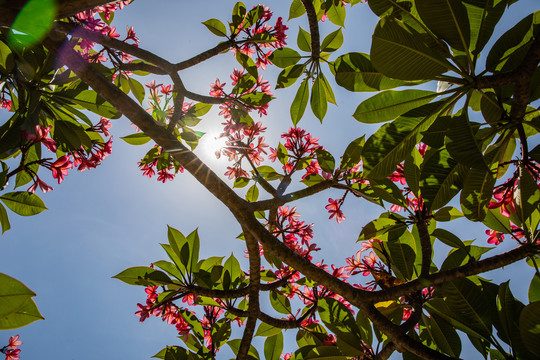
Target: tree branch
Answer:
[[313, 29], [472, 268], [274, 203]]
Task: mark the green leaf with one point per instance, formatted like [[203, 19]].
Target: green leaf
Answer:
[[273, 347], [284, 57], [526, 195], [332, 41], [417, 52], [13, 295], [508, 309], [476, 194], [388, 105], [443, 334], [6, 58], [296, 10], [448, 20], [441, 178], [448, 238], [280, 302], [469, 305], [304, 40], [267, 330], [252, 194], [25, 315], [232, 273], [326, 161], [23, 203], [235, 345], [510, 49], [325, 353], [90, 100], [379, 228], [70, 136], [389, 146], [318, 100], [534, 289], [447, 213], [299, 104], [336, 13], [462, 145], [33, 23], [143, 276], [529, 327], [4, 219], [216, 27], [353, 153], [340, 321], [136, 139], [483, 17], [402, 254], [136, 89], [354, 72], [288, 76]]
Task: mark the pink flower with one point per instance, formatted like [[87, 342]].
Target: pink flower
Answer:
[[44, 187], [13, 354], [40, 135], [144, 312], [217, 89], [495, 237], [14, 342], [60, 168], [335, 210]]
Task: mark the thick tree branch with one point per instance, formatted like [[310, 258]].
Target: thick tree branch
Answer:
[[270, 320], [313, 29], [254, 283], [205, 55], [472, 268]]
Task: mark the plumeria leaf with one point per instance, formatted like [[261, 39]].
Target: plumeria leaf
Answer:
[[216, 27], [267, 330], [304, 40], [447, 213], [529, 328], [23, 203], [25, 315], [32, 23], [441, 178], [4, 219], [355, 72], [462, 145], [299, 104], [288, 76], [253, 354], [296, 9], [13, 295], [284, 57], [443, 334], [326, 161], [136, 89], [280, 302], [392, 142], [143, 276], [273, 347], [353, 153], [318, 99], [336, 13], [90, 100], [332, 41], [417, 52], [476, 194], [447, 20], [483, 17], [136, 139], [252, 194], [341, 322], [534, 289], [388, 105]]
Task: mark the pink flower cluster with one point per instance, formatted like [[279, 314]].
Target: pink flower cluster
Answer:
[[168, 312], [162, 162], [91, 20], [11, 350], [256, 39], [81, 158]]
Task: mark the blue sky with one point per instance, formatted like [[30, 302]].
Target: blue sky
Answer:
[[107, 219]]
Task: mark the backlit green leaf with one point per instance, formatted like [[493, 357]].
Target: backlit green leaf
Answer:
[[143, 276], [23, 203], [299, 104], [401, 52]]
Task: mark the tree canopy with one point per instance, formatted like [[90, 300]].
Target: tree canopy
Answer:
[[457, 139]]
